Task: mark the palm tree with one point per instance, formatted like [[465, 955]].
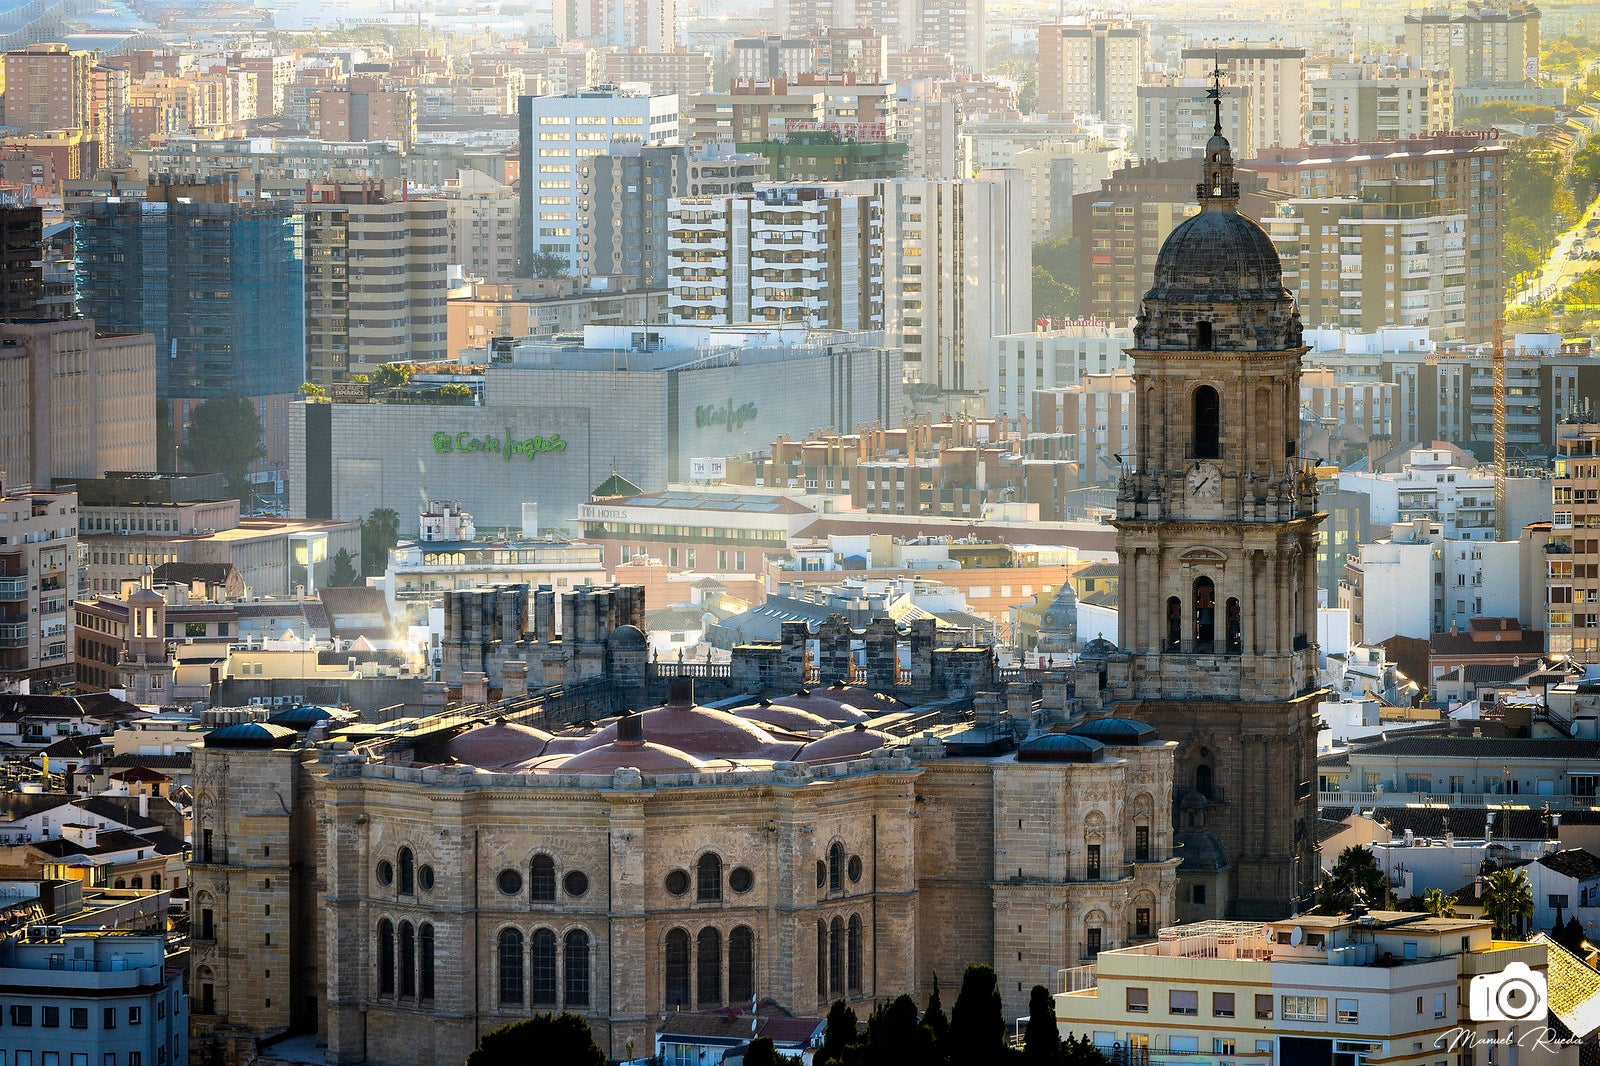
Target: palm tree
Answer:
[[1436, 903], [1507, 901]]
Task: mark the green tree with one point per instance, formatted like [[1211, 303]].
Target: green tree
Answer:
[[895, 1037], [1572, 936], [1081, 1051], [546, 263], [938, 1023], [542, 1040], [1356, 870], [460, 395], [394, 375], [342, 574], [1436, 903], [1042, 1039], [1051, 298], [1507, 902], [977, 1025], [312, 391], [839, 1038], [380, 531], [224, 437]]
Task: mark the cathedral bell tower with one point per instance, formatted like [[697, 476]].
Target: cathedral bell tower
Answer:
[[1216, 540]]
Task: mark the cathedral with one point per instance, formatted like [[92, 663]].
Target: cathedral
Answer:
[[1216, 543]]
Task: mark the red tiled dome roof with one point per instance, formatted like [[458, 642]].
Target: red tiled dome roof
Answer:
[[790, 718], [497, 744], [703, 733], [648, 756], [824, 704], [843, 744]]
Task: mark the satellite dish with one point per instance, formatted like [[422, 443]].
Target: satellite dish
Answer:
[[1296, 937]]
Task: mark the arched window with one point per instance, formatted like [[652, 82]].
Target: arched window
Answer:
[[120, 883], [853, 953], [155, 881], [741, 964], [708, 968], [408, 959], [822, 960], [836, 955], [1205, 614], [677, 969], [1207, 423], [408, 872], [708, 878], [836, 867], [1202, 780], [385, 957], [510, 966], [208, 990], [577, 991], [1174, 623], [542, 972], [542, 879], [1232, 625], [425, 962]]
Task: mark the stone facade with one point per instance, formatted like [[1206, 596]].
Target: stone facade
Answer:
[[1216, 544], [404, 894]]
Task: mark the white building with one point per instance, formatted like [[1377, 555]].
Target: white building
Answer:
[[958, 264], [1433, 487], [1418, 582], [1059, 170], [1176, 120], [1275, 78], [1025, 363], [481, 218], [928, 115], [807, 254], [1364, 103], [559, 132]]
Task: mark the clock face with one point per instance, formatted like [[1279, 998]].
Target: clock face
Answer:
[[1204, 482]]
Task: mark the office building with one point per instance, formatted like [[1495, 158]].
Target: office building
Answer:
[[786, 254], [555, 420], [84, 995], [1492, 43], [481, 226], [1093, 68], [956, 253], [214, 276], [75, 403], [21, 261], [1572, 559], [376, 280], [1175, 120], [557, 134], [1273, 78], [38, 582]]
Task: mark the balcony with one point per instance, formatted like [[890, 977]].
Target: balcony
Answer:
[[13, 588], [14, 635]]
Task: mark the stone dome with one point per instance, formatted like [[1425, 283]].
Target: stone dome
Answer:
[[1200, 851], [844, 744], [824, 704], [647, 756], [702, 732], [251, 735], [1217, 255], [1117, 732], [497, 744], [1059, 747], [792, 719]]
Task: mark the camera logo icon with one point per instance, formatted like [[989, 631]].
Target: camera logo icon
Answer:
[[1515, 994]]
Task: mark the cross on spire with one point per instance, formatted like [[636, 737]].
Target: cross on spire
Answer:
[[1215, 92]]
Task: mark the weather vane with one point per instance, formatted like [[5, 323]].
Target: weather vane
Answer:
[[1215, 92]]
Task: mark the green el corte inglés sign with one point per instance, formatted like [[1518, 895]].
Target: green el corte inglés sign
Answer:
[[507, 446]]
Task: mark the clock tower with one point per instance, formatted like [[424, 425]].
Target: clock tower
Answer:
[[1216, 540]]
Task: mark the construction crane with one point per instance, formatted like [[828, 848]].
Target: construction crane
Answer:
[[1498, 363]]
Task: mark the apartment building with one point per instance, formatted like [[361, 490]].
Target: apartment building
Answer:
[[480, 216], [799, 254], [959, 256], [772, 56], [1467, 172], [364, 109], [752, 111], [929, 119], [669, 70], [103, 996], [1394, 257], [1176, 120], [73, 402], [1489, 43], [273, 75], [47, 87], [38, 582], [647, 24], [1572, 559], [1093, 67], [1314, 988], [557, 133], [376, 280], [859, 50], [1363, 105], [1273, 77]]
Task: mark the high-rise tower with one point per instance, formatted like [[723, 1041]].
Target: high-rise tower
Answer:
[[1216, 539]]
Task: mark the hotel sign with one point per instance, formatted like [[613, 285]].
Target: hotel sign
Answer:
[[506, 447]]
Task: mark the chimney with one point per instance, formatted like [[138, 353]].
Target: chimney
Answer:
[[630, 728], [474, 687], [680, 694], [144, 803]]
